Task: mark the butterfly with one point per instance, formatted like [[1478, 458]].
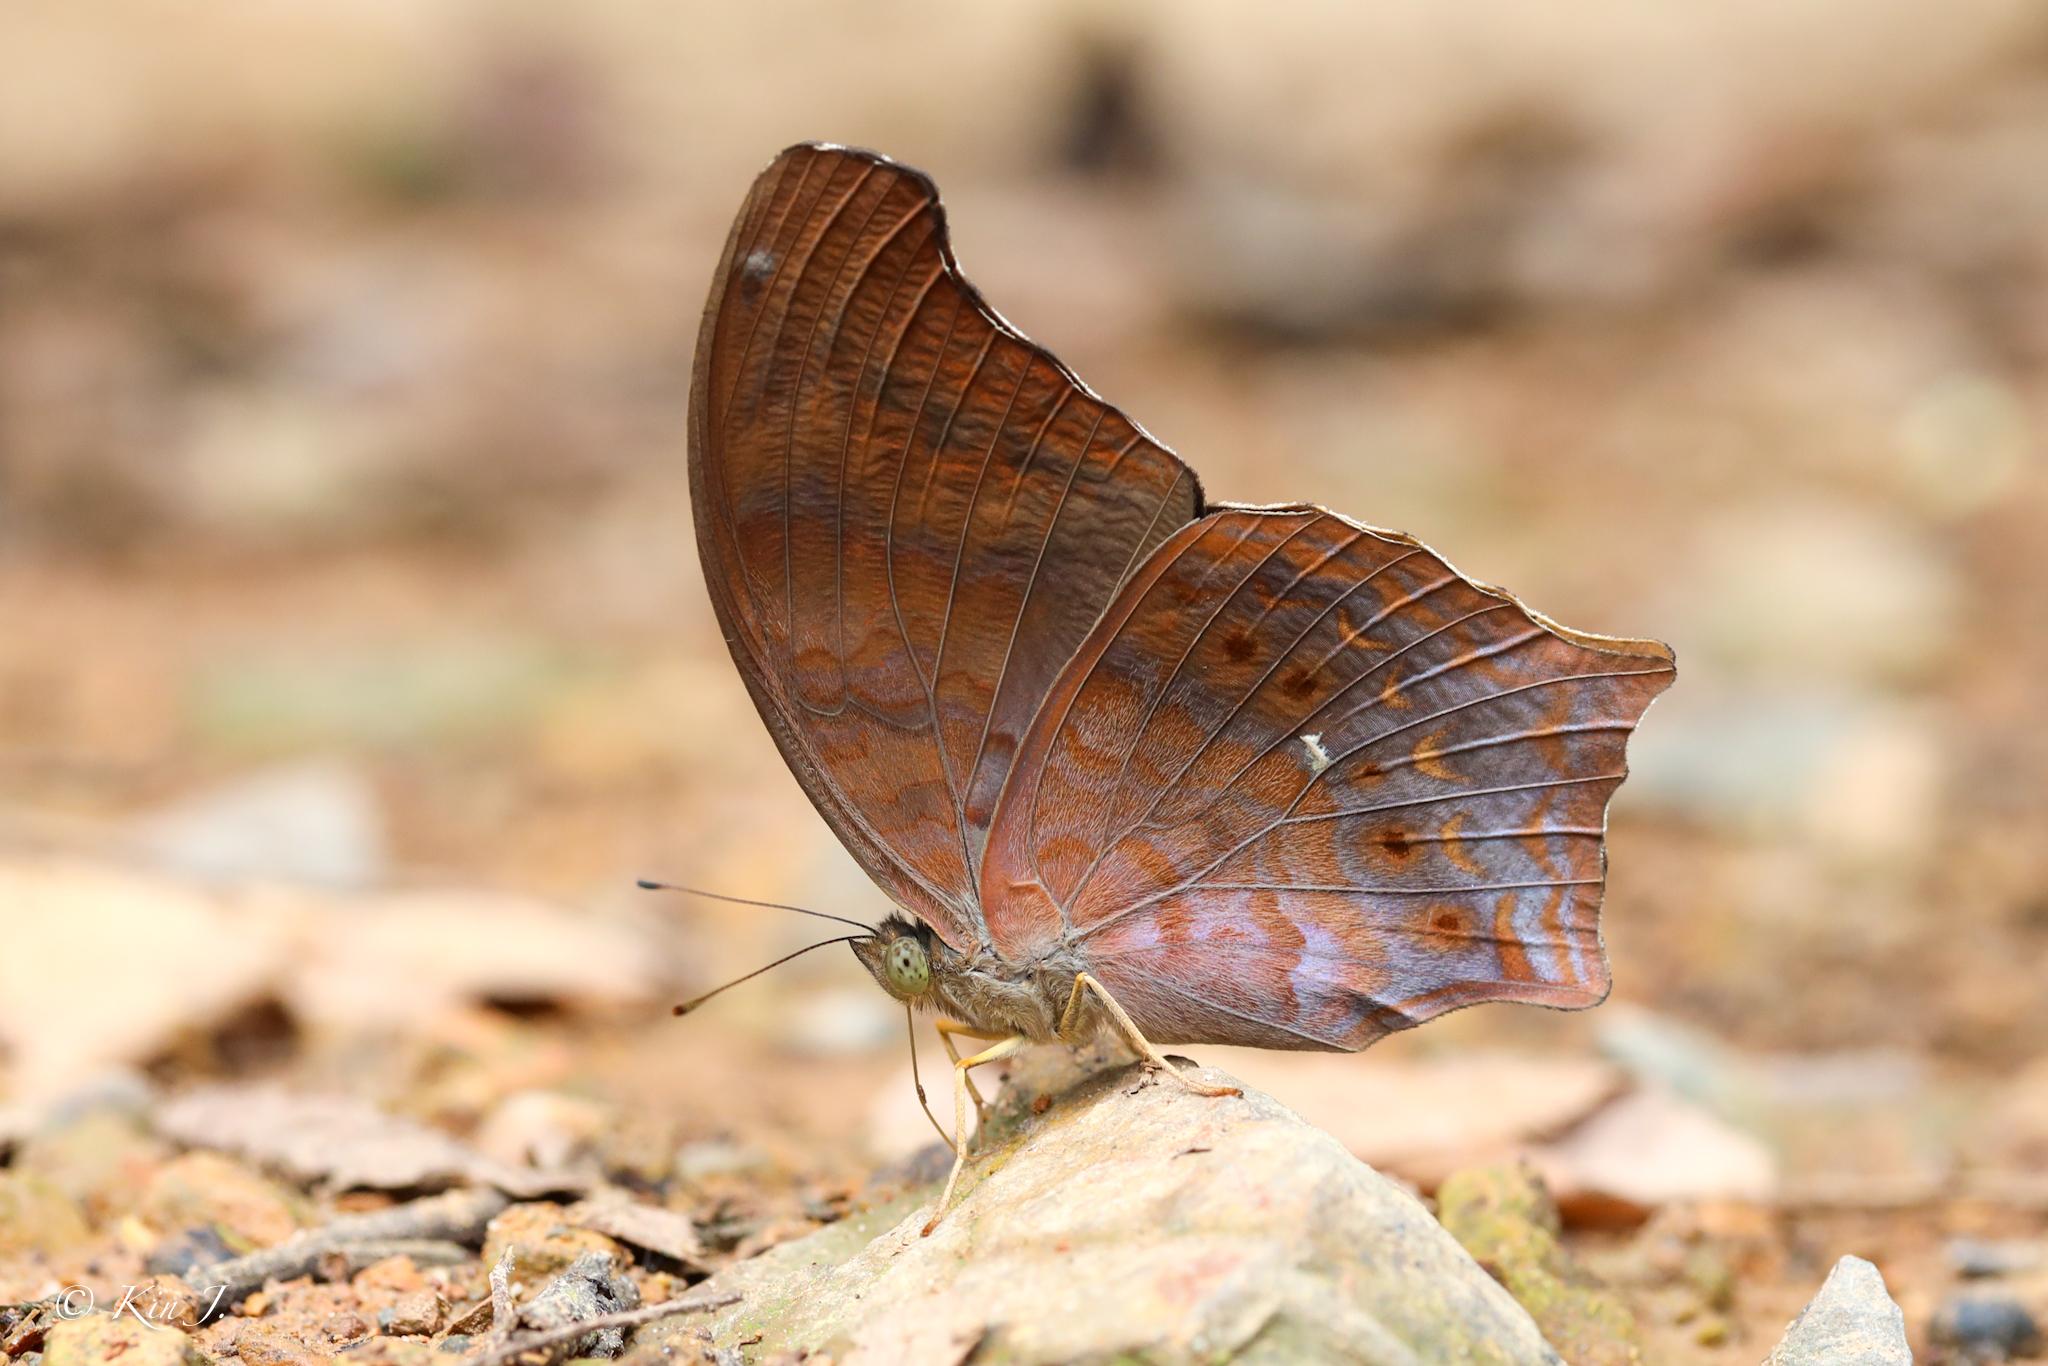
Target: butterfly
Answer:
[[1125, 759]]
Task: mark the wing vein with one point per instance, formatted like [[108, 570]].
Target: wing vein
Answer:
[[1465, 795], [1059, 510], [796, 394], [931, 705], [1347, 889], [1016, 622], [1311, 719], [1491, 697], [1223, 601], [959, 558], [1211, 1003], [853, 406], [1237, 709]]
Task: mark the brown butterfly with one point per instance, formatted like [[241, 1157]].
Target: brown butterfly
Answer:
[[1194, 772]]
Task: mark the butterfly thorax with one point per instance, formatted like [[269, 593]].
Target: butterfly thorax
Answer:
[[979, 988]]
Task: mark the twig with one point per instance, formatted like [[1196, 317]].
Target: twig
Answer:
[[229, 1283], [502, 1321], [423, 1229], [626, 1318], [423, 1251]]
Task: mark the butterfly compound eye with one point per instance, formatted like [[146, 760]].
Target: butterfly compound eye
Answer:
[[908, 970]]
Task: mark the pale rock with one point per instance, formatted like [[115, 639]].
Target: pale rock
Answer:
[[175, 956], [319, 823], [1651, 1148], [1860, 779], [1419, 1120], [542, 1129], [1963, 443], [98, 1338], [841, 1022], [1851, 1322], [1808, 590], [261, 461], [192, 953], [1120, 1214], [413, 955], [37, 1216], [205, 1189], [102, 1158], [336, 1139]]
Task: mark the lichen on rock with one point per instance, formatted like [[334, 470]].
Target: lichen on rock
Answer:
[[1505, 1217]]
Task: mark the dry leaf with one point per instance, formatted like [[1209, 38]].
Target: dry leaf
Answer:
[[651, 1227], [339, 1141]]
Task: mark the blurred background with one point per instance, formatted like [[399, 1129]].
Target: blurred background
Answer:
[[355, 658]]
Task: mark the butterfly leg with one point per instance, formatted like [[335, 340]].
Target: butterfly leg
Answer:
[[1070, 1030], [992, 1053], [947, 1029]]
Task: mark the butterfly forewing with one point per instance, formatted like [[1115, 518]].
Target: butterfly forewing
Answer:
[[909, 514], [1305, 784]]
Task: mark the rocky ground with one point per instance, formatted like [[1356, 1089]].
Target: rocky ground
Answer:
[[1111, 1215], [517, 1180], [354, 663]]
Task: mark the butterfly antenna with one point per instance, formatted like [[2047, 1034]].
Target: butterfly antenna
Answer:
[[691, 1004], [650, 885], [917, 1082]]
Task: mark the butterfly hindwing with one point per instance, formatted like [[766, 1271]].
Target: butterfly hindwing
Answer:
[[909, 514], [1305, 784]]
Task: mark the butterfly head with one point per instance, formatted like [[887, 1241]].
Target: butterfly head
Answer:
[[900, 957]]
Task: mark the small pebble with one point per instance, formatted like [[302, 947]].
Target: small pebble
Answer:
[[1992, 1256], [1852, 1318], [825, 1209], [345, 1326], [418, 1314], [273, 1346], [1987, 1327]]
